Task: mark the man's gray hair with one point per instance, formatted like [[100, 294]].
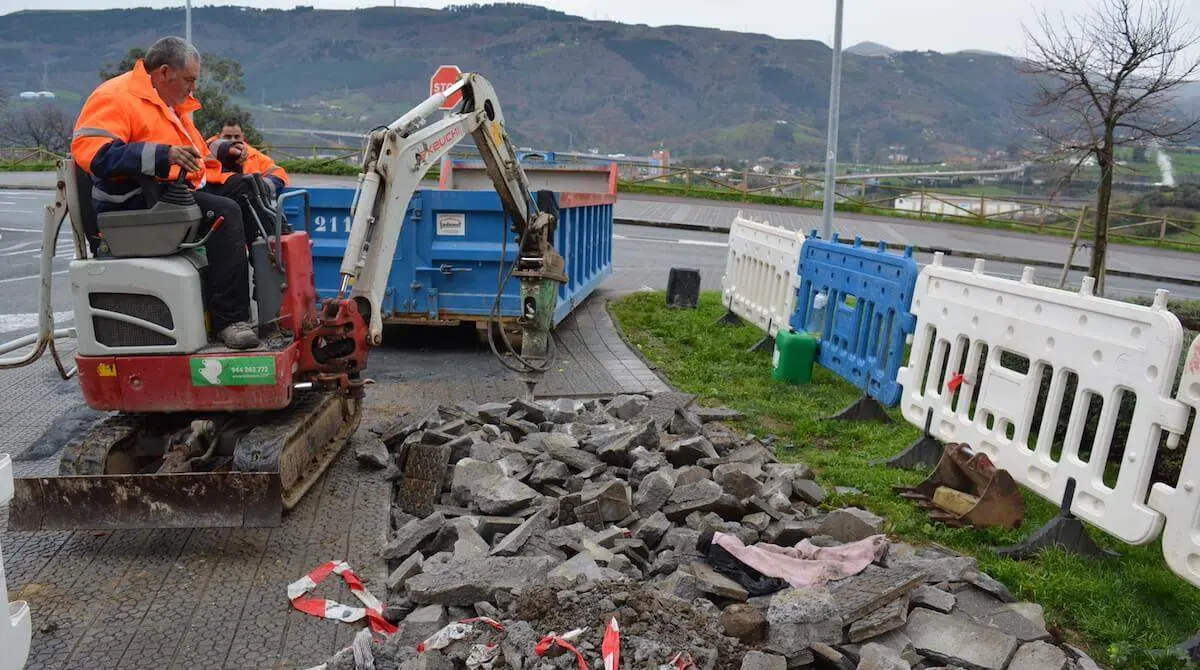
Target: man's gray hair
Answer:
[[173, 51]]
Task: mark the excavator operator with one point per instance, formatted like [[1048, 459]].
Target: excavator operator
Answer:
[[134, 132]]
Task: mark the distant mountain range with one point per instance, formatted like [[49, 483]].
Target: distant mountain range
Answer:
[[563, 81]]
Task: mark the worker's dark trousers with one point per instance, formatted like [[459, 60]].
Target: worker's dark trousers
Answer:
[[228, 275]]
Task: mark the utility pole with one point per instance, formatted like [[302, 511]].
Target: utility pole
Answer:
[[835, 92], [187, 21]]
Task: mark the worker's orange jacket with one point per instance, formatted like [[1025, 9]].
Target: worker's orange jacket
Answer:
[[125, 130], [256, 163]]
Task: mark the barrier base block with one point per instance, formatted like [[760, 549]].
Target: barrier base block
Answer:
[[1065, 531], [767, 343], [923, 454], [865, 408], [729, 319]]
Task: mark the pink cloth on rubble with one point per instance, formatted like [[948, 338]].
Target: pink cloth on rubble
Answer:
[[806, 565]]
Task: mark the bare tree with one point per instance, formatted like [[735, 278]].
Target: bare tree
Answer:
[[43, 126], [1108, 79]]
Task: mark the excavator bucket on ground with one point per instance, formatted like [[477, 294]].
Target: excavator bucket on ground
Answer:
[[967, 489]]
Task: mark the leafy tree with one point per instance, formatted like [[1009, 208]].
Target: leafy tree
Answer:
[[220, 79]]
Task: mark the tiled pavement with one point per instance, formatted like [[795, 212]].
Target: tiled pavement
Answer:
[[214, 598]]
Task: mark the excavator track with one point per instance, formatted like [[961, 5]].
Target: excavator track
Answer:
[[268, 461]]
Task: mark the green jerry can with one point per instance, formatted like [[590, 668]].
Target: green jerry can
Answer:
[[794, 356]]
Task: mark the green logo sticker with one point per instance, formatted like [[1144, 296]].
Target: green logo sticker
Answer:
[[233, 371]]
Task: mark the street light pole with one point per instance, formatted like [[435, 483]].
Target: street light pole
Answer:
[[187, 21], [831, 136]]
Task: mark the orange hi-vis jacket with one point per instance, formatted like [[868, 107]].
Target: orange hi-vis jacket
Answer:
[[125, 130], [256, 163]]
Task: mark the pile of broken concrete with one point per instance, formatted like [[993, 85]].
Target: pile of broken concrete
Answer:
[[551, 520]]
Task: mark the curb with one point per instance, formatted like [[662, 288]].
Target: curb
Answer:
[[999, 258]]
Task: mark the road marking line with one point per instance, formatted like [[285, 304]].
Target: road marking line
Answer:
[[21, 230], [13, 279], [18, 211], [702, 243]]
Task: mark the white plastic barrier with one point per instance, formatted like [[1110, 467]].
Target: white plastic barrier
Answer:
[[1181, 504], [761, 277], [1110, 348], [15, 625]]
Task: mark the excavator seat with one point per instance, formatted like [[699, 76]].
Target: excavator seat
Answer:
[[141, 294]]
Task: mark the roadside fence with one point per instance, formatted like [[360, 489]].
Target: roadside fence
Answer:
[[856, 301], [760, 280]]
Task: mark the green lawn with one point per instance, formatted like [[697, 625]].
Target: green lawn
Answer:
[[1118, 609]]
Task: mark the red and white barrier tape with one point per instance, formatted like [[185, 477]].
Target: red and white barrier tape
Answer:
[[299, 592], [610, 649], [563, 642]]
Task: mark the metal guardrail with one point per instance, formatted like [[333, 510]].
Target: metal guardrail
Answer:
[[1018, 212]]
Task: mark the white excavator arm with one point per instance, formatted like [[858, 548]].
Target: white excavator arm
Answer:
[[394, 162]]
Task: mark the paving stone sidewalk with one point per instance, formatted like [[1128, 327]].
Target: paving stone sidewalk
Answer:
[[215, 598]]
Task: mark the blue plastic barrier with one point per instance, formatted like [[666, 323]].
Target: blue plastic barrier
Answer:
[[448, 260], [866, 319]]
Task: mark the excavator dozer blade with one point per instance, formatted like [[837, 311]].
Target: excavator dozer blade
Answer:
[[110, 502]]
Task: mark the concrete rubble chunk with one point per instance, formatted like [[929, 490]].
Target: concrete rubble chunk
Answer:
[[712, 583], [685, 422], [411, 535], [1038, 656], [758, 660], [851, 524], [651, 529], [515, 466], [534, 411], [468, 473], [739, 484], [756, 522], [879, 657], [873, 588], [576, 459], [891, 616], [468, 543], [788, 532], [799, 617], [493, 412], [654, 491], [626, 407], [663, 405], [809, 491], [502, 495], [612, 496], [744, 622], [371, 452], [690, 474], [710, 414], [942, 569], [516, 539], [464, 582], [956, 641], [549, 472], [932, 598], [582, 567], [691, 498], [690, 451], [1023, 621], [407, 568], [485, 451], [421, 623]]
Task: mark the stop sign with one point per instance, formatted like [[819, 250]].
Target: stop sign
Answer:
[[445, 77]]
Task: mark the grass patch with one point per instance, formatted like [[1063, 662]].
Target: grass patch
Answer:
[[334, 166], [23, 166], [1116, 609]]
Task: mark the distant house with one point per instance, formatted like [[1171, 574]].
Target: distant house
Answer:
[[963, 205]]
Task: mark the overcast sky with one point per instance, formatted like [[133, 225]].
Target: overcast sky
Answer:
[[940, 25]]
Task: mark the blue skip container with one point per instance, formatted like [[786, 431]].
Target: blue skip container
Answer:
[[448, 258]]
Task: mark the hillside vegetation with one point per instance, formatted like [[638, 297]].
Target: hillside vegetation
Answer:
[[563, 80]]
